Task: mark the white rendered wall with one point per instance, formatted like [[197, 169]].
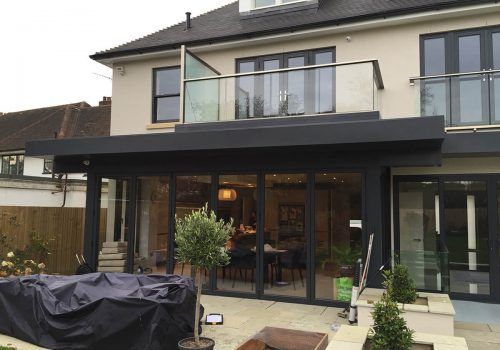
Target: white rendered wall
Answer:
[[28, 193]]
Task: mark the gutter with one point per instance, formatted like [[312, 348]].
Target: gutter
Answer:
[[378, 15]]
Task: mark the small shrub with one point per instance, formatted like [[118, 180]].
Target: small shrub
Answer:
[[399, 285], [389, 331], [27, 261]]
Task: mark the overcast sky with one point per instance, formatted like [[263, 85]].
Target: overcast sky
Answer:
[[45, 45]]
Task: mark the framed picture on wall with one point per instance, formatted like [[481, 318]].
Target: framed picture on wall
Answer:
[[291, 220]]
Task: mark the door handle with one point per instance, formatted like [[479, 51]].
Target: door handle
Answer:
[[281, 98], [286, 96], [417, 239]]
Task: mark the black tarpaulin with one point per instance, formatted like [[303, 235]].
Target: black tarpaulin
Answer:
[[98, 310]]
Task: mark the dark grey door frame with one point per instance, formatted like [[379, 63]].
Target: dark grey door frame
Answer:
[[492, 181]]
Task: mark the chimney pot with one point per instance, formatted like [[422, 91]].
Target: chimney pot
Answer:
[[106, 101], [188, 20]]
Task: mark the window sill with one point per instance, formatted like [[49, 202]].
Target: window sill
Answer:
[[167, 125]]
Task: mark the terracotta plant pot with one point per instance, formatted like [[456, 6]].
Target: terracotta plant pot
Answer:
[[189, 344]]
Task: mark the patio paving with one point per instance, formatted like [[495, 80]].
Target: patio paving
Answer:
[[244, 317]]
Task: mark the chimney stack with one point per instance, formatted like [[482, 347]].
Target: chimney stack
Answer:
[[188, 20], [106, 101]]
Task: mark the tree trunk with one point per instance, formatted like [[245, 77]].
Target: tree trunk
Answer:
[[197, 315]]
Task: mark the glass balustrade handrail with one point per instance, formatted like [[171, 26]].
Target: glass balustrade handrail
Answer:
[[451, 75], [377, 73]]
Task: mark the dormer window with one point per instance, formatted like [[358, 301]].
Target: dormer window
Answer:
[[257, 6], [264, 3]]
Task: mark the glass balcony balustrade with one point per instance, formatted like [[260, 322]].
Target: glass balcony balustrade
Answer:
[[303, 91], [464, 99]]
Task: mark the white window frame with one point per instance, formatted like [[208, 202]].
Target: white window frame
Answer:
[[276, 3]]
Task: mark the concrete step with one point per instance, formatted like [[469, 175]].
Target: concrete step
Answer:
[[113, 244], [119, 256]]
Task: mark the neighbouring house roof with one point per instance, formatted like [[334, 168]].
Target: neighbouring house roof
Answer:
[[64, 121], [226, 23]]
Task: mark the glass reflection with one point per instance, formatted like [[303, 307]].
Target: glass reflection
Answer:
[[192, 192], [285, 253], [338, 231], [237, 199], [152, 223]]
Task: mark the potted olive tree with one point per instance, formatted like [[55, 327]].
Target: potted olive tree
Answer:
[[201, 240]]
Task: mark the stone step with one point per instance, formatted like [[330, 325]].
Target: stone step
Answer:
[[113, 244], [114, 263], [111, 269], [114, 250], [119, 256]]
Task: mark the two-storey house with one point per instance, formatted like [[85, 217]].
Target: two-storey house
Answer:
[[313, 124]]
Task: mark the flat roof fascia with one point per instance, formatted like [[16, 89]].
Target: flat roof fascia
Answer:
[[315, 134]]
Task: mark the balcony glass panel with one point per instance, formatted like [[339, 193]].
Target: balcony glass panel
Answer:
[[495, 97], [465, 99], [434, 97], [311, 90]]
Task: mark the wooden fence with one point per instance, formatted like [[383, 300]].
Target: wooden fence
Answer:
[[62, 226]]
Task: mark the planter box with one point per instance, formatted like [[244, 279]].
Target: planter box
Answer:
[[433, 315], [281, 338], [355, 338]]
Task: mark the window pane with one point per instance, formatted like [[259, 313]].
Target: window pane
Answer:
[[152, 223], [48, 166], [466, 224], [285, 249], [338, 225], [271, 89], [261, 3], [246, 91], [13, 165], [469, 53], [420, 240], [295, 94], [20, 164], [434, 60], [323, 57], [168, 81], [496, 50], [5, 165], [168, 108], [114, 224], [237, 199], [191, 193]]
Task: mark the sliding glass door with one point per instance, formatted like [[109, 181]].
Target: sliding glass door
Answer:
[[297, 235], [420, 244], [285, 235], [237, 200], [447, 231], [338, 224], [467, 236]]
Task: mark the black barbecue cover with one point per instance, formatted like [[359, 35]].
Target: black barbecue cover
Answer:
[[98, 310]]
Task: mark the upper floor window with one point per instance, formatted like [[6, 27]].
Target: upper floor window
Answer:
[[264, 3], [166, 94], [297, 92], [12, 164], [467, 96], [48, 166]]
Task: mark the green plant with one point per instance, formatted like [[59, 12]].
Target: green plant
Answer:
[[399, 285], [29, 260], [389, 331], [346, 255], [201, 240]]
